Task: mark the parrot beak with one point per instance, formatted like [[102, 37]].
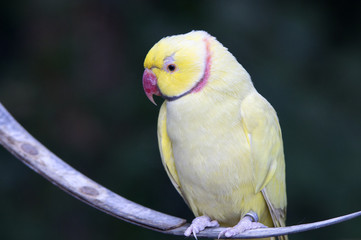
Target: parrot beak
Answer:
[[150, 85]]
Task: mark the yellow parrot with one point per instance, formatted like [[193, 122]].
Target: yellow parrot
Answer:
[[219, 139]]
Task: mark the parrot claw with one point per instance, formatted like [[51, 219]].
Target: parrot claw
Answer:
[[199, 224], [248, 222]]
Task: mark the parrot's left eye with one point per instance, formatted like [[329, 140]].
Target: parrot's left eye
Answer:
[[171, 67]]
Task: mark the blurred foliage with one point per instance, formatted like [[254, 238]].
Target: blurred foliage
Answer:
[[70, 73]]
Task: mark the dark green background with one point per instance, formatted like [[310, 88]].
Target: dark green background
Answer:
[[70, 72]]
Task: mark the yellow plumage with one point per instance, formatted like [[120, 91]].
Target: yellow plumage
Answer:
[[220, 140]]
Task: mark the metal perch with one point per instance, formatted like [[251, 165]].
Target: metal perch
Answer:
[[36, 156]]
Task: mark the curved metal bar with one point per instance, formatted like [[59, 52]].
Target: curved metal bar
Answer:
[[270, 232], [36, 156]]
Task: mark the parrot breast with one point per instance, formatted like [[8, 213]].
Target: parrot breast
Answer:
[[211, 155]]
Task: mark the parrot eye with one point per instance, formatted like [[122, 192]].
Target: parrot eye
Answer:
[[171, 67]]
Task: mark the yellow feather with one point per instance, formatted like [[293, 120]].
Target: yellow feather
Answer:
[[221, 146]]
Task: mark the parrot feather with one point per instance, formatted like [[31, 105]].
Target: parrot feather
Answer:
[[165, 148]]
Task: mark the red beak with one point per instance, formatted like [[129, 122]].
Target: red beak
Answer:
[[150, 85]]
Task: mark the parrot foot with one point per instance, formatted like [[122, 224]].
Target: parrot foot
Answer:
[[248, 222], [199, 224]]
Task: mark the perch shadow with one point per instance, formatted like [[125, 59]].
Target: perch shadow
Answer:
[[36, 156]]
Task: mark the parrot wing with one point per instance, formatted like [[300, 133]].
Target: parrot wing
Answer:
[[261, 126], [166, 152]]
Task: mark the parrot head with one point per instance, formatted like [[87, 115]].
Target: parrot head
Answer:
[[177, 66]]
